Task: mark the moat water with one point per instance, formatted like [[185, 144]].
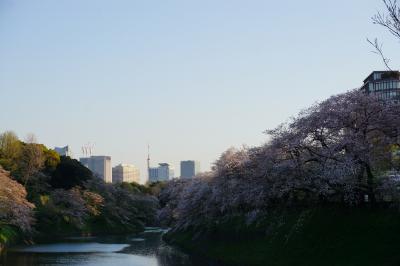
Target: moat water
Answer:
[[144, 249]]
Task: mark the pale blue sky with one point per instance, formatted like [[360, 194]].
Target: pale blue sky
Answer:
[[192, 78]]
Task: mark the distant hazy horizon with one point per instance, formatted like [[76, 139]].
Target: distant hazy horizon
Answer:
[[189, 78]]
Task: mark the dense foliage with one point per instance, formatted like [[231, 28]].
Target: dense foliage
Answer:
[[69, 173], [46, 194], [343, 151], [16, 213]]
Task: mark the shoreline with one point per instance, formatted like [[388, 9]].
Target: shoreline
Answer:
[[325, 236]]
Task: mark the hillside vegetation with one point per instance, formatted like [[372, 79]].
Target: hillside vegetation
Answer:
[[43, 195]]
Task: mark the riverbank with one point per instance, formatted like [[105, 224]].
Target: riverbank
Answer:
[[320, 236], [43, 236]]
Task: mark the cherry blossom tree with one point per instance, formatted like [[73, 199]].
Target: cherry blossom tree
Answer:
[[340, 150], [15, 210], [346, 140]]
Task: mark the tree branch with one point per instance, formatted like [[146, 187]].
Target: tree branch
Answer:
[[378, 51], [390, 21]]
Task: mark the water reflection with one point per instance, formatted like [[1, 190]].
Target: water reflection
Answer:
[[145, 249]]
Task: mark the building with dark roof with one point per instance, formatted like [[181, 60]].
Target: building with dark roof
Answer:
[[384, 84]]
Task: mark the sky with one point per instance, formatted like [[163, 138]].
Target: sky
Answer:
[[191, 78]]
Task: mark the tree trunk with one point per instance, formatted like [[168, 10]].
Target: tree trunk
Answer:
[[370, 184]]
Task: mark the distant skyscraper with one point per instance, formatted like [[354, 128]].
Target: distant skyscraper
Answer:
[[63, 151], [163, 172], [100, 166], [189, 169], [153, 174], [125, 173]]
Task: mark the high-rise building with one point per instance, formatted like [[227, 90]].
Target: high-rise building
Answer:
[[189, 168], [125, 173], [163, 172], [384, 84], [100, 166], [63, 151], [153, 174]]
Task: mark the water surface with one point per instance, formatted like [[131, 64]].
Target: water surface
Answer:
[[145, 249]]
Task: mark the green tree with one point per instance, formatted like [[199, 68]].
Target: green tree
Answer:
[[69, 173], [51, 159], [10, 150]]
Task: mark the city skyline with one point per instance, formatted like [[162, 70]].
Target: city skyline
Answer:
[[67, 151], [132, 172], [191, 79]]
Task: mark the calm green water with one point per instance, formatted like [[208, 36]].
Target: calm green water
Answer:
[[145, 249]]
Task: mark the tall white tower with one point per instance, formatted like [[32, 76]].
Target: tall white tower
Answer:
[[148, 162]]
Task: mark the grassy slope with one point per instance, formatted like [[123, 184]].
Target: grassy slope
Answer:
[[322, 236]]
